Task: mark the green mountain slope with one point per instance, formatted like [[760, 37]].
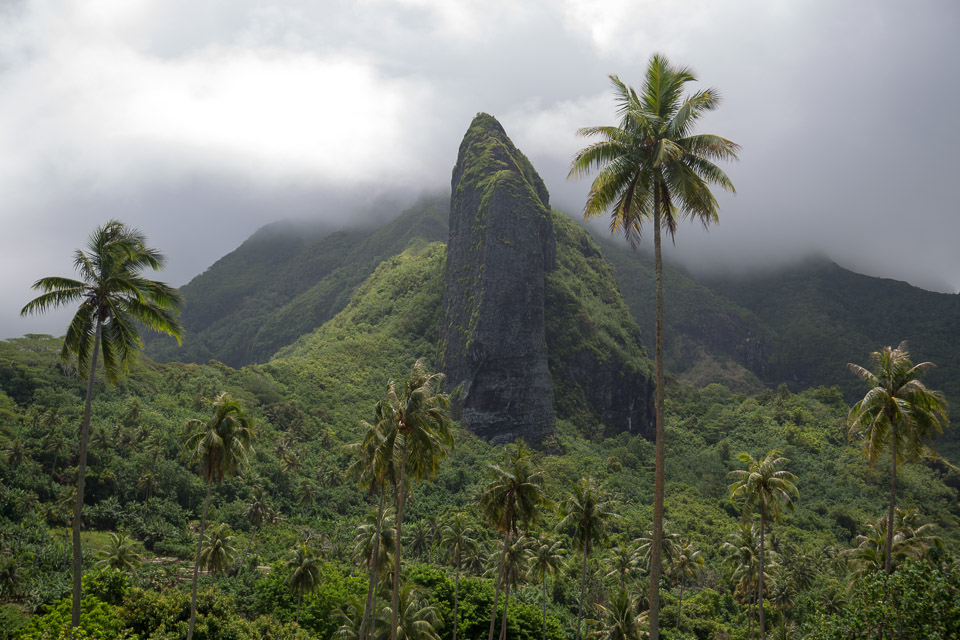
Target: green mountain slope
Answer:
[[285, 281]]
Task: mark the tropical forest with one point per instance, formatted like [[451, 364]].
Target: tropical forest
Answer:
[[486, 418]]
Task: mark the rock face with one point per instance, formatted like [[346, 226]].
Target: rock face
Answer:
[[501, 247]]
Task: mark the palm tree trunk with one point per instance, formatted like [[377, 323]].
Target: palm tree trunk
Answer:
[[496, 587], [749, 619], [503, 620], [583, 587], [299, 602], [763, 517], [374, 561], [544, 604], [888, 561], [396, 558], [196, 563], [81, 478], [659, 473], [456, 595], [680, 606]]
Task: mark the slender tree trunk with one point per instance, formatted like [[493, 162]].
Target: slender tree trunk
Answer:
[[544, 604], [456, 595], [680, 606], [503, 620], [749, 618], [82, 476], [299, 602], [496, 587], [196, 564], [396, 558], [763, 548], [583, 587], [372, 582], [659, 473], [888, 561]]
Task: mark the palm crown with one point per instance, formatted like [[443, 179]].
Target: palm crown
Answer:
[[114, 295]]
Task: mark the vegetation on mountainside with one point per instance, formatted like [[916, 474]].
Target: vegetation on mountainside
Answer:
[[285, 281], [652, 168]]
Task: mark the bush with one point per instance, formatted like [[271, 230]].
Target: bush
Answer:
[[98, 621]]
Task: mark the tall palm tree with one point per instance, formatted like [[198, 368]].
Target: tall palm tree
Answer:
[[510, 502], [304, 576], [416, 618], [764, 484], [685, 564], [121, 553], [373, 466], [544, 558], [115, 300], [741, 561], [220, 446], [652, 167], [899, 410], [419, 414], [911, 541], [669, 546], [457, 537], [375, 540], [587, 511], [513, 562]]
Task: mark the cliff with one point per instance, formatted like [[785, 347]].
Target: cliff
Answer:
[[500, 248]]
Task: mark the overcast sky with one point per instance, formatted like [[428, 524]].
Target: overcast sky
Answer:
[[200, 121]]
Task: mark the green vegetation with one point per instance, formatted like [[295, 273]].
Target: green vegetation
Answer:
[[650, 167]]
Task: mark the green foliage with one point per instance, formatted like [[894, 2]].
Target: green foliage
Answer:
[[98, 621], [918, 601]]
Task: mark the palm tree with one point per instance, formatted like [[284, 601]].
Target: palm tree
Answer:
[[622, 562], [510, 502], [911, 541], [419, 414], [121, 553], [373, 466], [421, 539], [220, 446], [217, 551], [620, 620], [416, 618], [669, 546], [512, 568], [375, 539], [147, 482], [766, 485], [652, 167], [115, 300], [587, 511], [685, 564], [899, 410], [782, 594], [544, 558], [741, 560], [457, 537], [304, 573]]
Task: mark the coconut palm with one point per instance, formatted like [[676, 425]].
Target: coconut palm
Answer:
[[766, 485], [544, 557], [511, 502], [217, 551], [148, 483], [622, 562], [741, 561], [121, 553], [419, 415], [911, 541], [782, 594], [458, 537], [652, 167], [511, 565], [620, 619], [220, 446], [304, 573], [586, 511], [416, 618], [420, 539], [669, 546], [373, 466], [898, 410], [115, 301], [685, 564]]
